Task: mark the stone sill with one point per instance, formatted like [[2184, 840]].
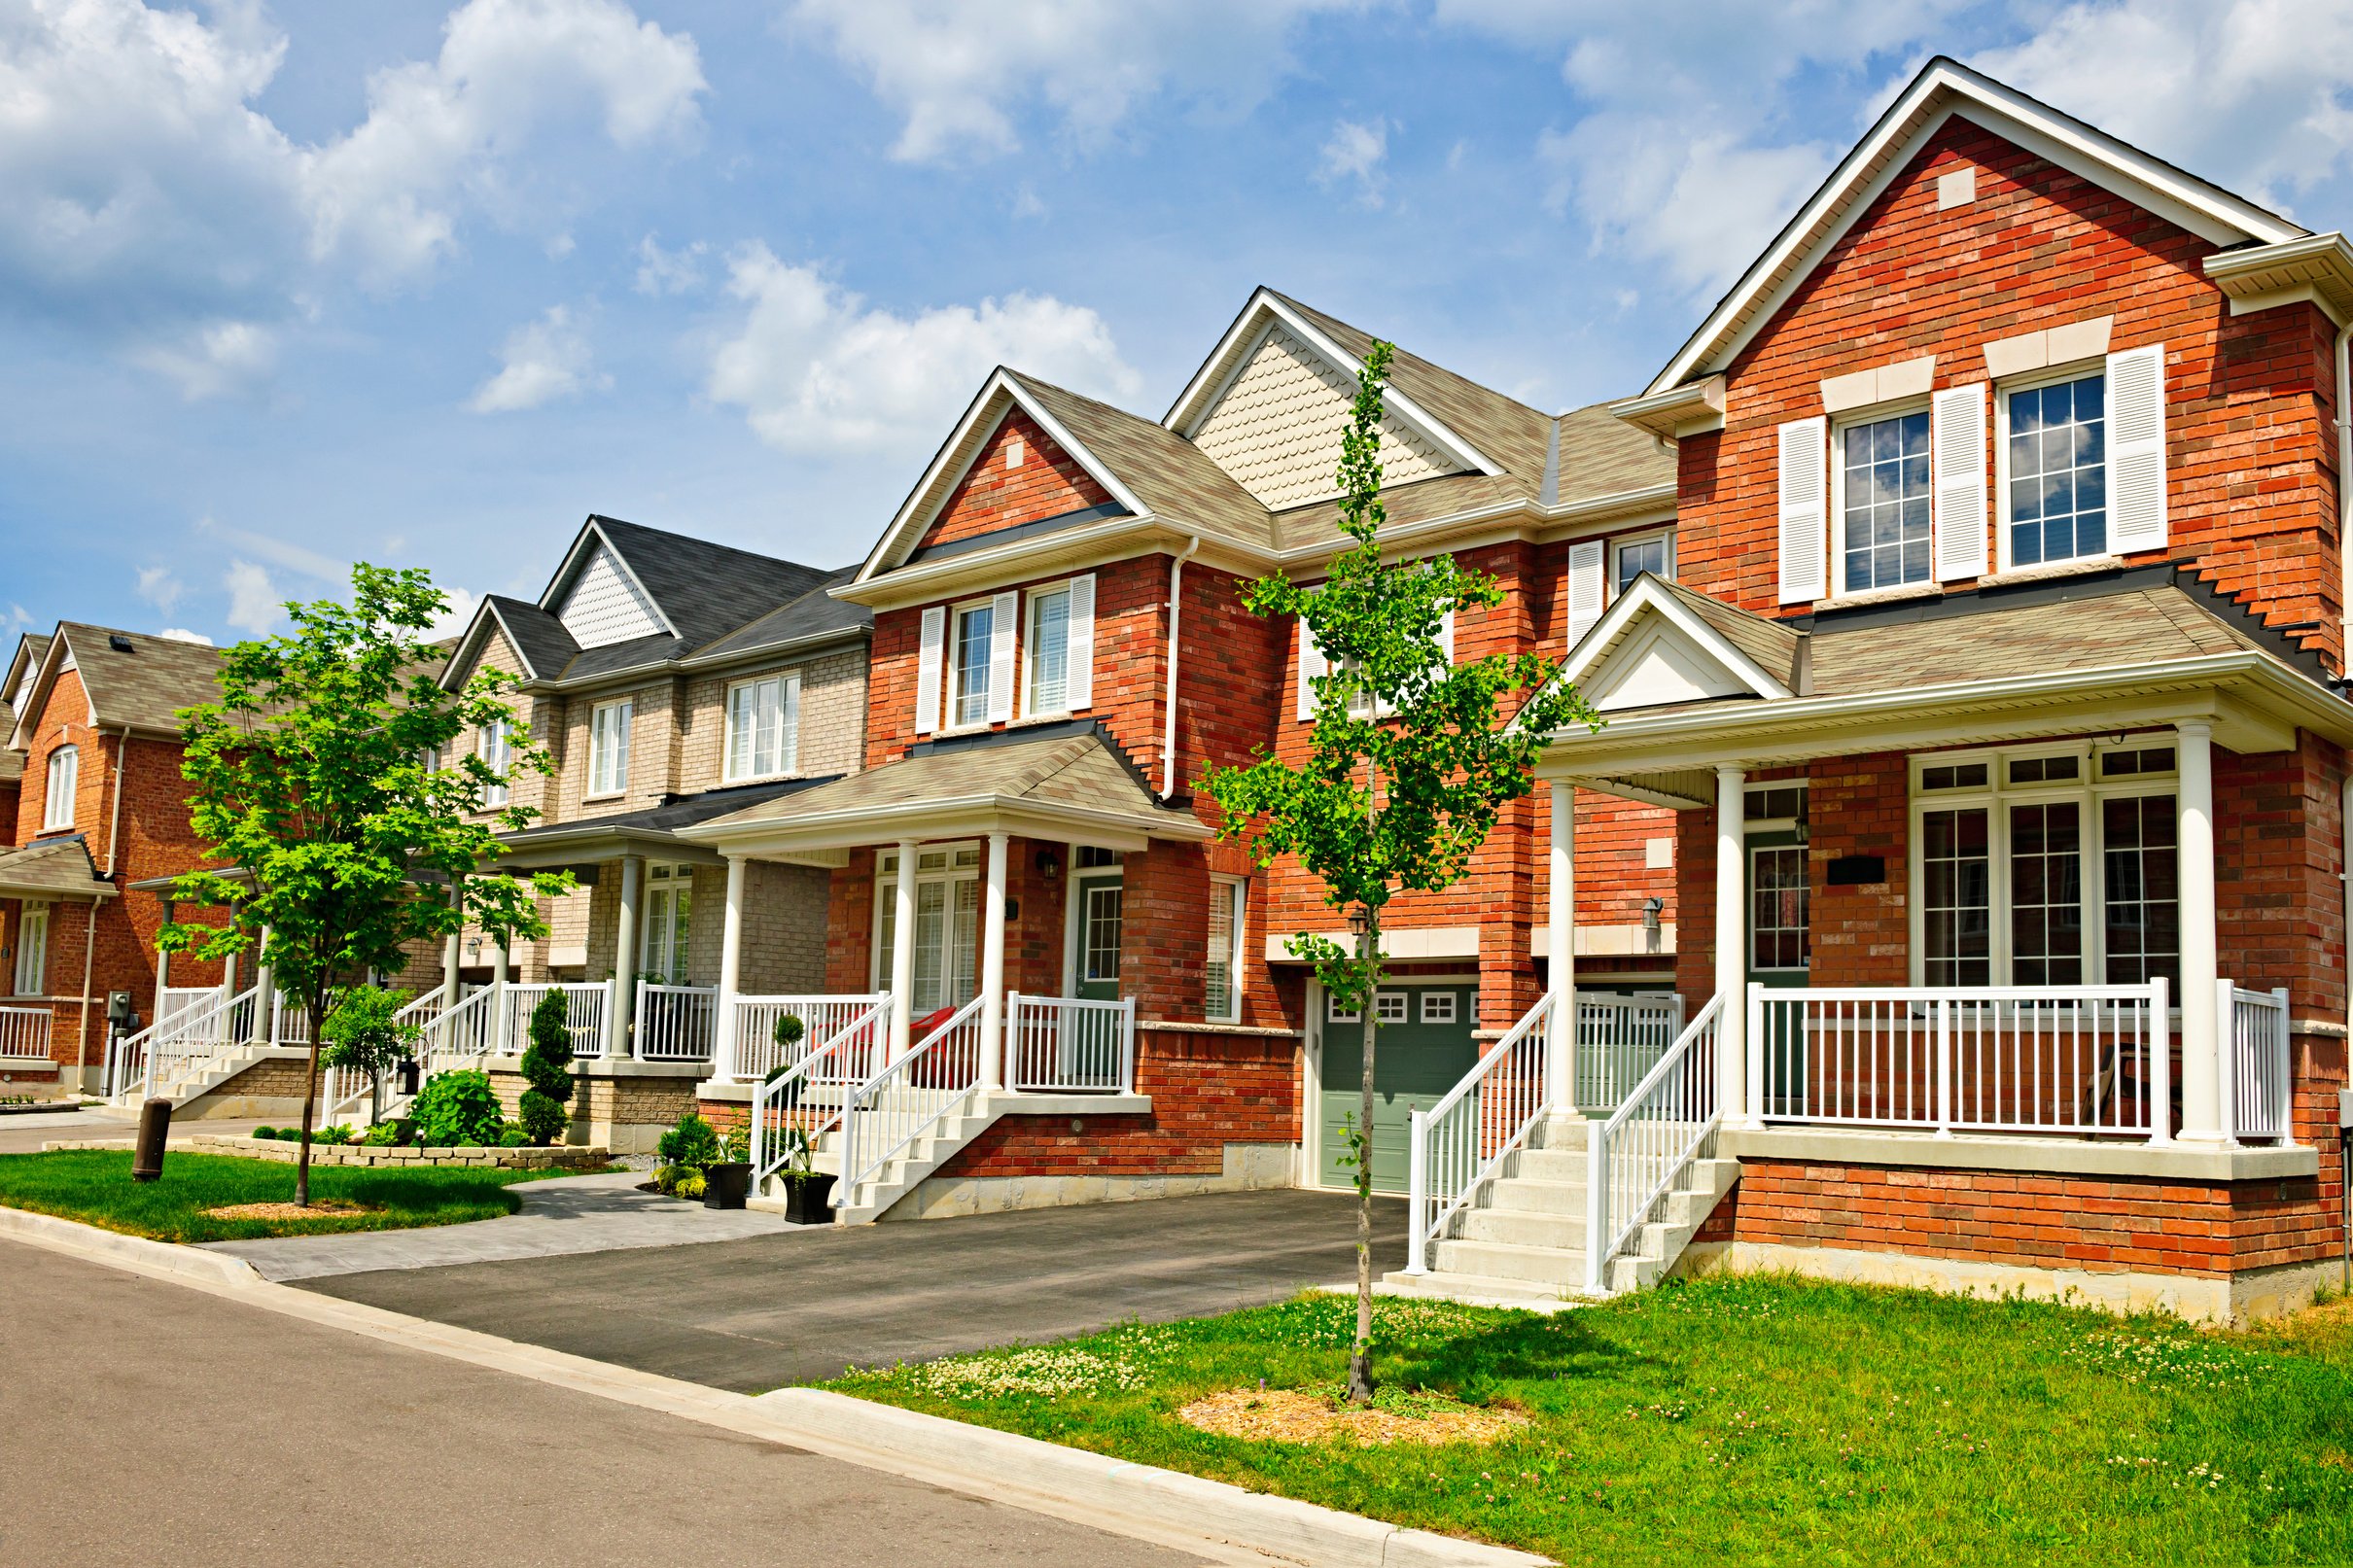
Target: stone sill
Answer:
[[1037, 1104], [1172, 1026], [2038, 1156], [1883, 596], [2081, 566]]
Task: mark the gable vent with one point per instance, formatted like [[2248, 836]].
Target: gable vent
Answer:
[[606, 606]]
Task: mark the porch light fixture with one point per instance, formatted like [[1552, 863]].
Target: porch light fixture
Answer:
[[1651, 908], [1049, 865], [1360, 920]]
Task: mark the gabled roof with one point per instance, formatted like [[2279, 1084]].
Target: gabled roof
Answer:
[[52, 868], [130, 678], [22, 665], [1943, 89], [1171, 476], [1664, 643]]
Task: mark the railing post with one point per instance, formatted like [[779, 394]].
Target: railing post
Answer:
[[1011, 1062], [2161, 1065], [1597, 1205], [1944, 1066], [1417, 1195], [1127, 1045], [1752, 1105], [2226, 1058], [2282, 1063]]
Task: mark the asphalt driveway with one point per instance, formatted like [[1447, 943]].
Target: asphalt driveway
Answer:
[[768, 1311]]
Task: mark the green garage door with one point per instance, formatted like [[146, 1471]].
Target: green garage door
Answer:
[[1425, 1049]]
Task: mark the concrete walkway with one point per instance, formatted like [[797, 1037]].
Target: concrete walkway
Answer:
[[560, 1216]]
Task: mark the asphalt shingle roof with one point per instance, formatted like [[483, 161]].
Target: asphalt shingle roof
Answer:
[[145, 685], [52, 868], [1167, 473]]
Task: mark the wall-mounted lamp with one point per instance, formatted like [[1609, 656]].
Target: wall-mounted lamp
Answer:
[[1360, 920], [474, 950], [1799, 831], [1049, 864], [1652, 908]]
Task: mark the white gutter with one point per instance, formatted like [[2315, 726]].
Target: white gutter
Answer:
[[1167, 728]]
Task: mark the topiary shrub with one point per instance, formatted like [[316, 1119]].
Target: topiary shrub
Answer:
[[547, 1069], [693, 1143], [457, 1107]]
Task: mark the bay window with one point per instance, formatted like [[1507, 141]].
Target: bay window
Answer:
[[609, 748], [763, 727]]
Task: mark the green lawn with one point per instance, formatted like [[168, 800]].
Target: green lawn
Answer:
[[94, 1186], [1750, 1420]]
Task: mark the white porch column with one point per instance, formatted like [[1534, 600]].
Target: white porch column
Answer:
[[993, 964], [162, 963], [264, 993], [1560, 955], [1732, 949], [500, 1000], [2202, 1028], [724, 1049], [902, 953], [453, 954], [625, 959]]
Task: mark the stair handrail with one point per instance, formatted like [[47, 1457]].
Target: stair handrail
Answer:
[[182, 1029], [1639, 1153], [891, 1109], [779, 1102], [1454, 1151], [442, 1051]]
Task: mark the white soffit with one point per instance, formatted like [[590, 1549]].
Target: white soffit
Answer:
[[1943, 89]]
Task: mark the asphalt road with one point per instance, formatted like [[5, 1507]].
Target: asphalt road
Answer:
[[146, 1423], [760, 1313]]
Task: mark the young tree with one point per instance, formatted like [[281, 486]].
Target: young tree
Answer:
[[364, 1034], [1409, 762], [318, 777]]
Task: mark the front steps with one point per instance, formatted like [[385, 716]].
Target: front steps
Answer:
[[901, 1173], [198, 1078], [1521, 1240]]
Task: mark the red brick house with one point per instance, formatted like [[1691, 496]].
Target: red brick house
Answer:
[[1079, 993]]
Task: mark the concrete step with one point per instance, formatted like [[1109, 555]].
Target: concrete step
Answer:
[[1532, 1197], [1482, 1290], [1560, 1133], [1547, 1164], [1522, 1228], [1504, 1260]]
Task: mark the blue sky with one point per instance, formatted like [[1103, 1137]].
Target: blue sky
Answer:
[[292, 285]]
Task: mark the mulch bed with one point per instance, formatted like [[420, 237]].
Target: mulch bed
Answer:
[[321, 1209], [1288, 1415]]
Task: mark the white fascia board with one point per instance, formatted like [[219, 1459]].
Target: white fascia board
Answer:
[[1199, 394], [485, 615], [921, 505], [1646, 596], [2317, 268], [1939, 91], [36, 695]]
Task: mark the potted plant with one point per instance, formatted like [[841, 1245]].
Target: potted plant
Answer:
[[808, 1191], [728, 1182]]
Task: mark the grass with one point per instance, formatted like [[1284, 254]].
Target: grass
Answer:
[[94, 1186], [1752, 1420]]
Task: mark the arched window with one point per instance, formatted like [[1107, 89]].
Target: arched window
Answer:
[[57, 803]]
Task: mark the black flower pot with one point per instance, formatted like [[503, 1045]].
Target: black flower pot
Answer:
[[727, 1184], [809, 1200]]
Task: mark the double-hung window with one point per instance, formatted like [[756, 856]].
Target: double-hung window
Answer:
[[2049, 868], [1630, 558], [973, 648], [763, 727], [669, 914], [496, 745], [2055, 456], [1048, 646], [1223, 1001], [609, 748], [1886, 521], [32, 951], [63, 778]]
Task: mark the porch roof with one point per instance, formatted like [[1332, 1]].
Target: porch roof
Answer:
[[52, 868], [1068, 787], [651, 830], [1687, 682]]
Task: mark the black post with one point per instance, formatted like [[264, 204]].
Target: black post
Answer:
[[154, 1124]]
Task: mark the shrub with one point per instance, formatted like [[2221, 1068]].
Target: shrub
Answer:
[[266, 1131], [363, 1034], [694, 1141], [341, 1132], [735, 1145], [692, 1185], [514, 1138], [385, 1135], [547, 1069], [667, 1177], [457, 1107]]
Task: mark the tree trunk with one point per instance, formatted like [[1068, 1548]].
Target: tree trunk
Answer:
[[1361, 1354], [310, 1101]]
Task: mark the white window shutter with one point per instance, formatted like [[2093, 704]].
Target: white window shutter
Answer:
[[1002, 615], [1311, 664], [1803, 447], [2136, 450], [1585, 560], [1080, 646], [928, 665], [1446, 634], [1956, 441]]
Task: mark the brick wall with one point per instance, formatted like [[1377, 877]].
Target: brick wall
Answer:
[[1005, 487]]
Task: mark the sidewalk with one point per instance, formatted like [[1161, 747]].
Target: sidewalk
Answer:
[[561, 1216]]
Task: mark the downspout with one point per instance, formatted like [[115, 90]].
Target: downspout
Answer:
[[1168, 733]]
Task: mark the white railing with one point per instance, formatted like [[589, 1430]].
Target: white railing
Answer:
[[1065, 1045], [2083, 1060], [289, 1021], [173, 1001], [1619, 1040], [460, 1035], [2256, 1085], [1462, 1141], [674, 1023], [25, 1032], [158, 1058], [1634, 1158], [804, 1101], [756, 1053], [584, 1007], [903, 1101]]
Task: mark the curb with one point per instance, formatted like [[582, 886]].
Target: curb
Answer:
[[111, 1246], [1140, 1501]]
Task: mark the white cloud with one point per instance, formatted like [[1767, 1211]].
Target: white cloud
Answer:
[[160, 587], [540, 360], [279, 552], [1357, 152], [961, 75], [456, 615], [661, 272], [181, 634], [154, 206], [817, 370], [254, 603], [18, 616]]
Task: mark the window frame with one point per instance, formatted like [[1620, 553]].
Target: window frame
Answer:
[[1836, 489], [788, 685], [951, 665], [28, 915], [1618, 546], [2036, 382], [599, 755], [1032, 599], [668, 886], [51, 796], [1238, 890], [2088, 789], [494, 744], [960, 862]]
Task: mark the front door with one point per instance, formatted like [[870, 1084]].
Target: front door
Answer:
[[1780, 951], [1424, 1048], [1095, 968]]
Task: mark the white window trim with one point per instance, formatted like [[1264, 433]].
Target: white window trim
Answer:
[[2035, 381], [2087, 789], [1032, 597], [621, 781], [1240, 948], [500, 759], [886, 886], [25, 916], [788, 697], [1877, 414], [950, 657], [1618, 546], [1425, 1010], [57, 805]]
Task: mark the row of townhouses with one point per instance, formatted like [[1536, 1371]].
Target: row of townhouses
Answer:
[[1956, 892]]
